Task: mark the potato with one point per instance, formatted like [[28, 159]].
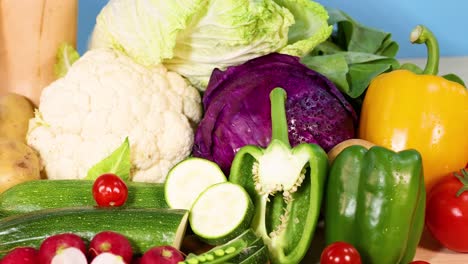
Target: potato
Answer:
[[15, 112], [339, 147], [18, 163]]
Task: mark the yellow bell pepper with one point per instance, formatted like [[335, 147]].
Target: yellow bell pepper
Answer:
[[404, 110]]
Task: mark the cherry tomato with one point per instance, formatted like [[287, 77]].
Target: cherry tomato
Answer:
[[419, 262], [340, 253], [110, 190], [447, 211]]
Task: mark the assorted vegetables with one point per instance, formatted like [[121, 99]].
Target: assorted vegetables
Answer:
[[144, 227], [212, 120], [106, 247], [237, 108], [286, 185], [39, 195]]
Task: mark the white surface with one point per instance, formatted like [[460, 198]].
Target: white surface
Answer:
[[456, 65]]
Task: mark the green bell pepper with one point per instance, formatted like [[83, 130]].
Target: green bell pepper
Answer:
[[286, 185], [375, 201]]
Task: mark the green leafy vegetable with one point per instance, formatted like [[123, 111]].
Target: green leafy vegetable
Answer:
[[118, 162], [66, 56], [353, 55], [193, 37]]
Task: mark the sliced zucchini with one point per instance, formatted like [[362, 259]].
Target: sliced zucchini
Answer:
[[220, 213], [187, 179]]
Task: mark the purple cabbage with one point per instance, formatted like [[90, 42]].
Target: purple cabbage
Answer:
[[237, 108]]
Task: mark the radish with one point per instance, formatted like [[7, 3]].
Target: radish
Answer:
[[112, 242], [108, 258], [162, 255], [21, 255], [53, 245], [69, 255]]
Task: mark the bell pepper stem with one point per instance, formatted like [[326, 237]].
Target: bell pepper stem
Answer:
[[422, 35], [279, 123]]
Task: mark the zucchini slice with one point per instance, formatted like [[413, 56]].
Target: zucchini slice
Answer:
[[187, 179], [220, 213]]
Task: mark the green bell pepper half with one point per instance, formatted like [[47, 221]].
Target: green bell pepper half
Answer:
[[286, 185], [375, 201]]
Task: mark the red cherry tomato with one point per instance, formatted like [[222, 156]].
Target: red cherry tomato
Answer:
[[419, 262], [110, 190], [340, 253], [447, 211]]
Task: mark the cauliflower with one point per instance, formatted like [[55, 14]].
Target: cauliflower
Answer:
[[104, 98]]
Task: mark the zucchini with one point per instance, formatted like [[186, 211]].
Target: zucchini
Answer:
[[235, 251], [188, 178], [46, 194], [220, 213], [144, 227]]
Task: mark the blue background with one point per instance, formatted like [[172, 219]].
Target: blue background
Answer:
[[446, 18]]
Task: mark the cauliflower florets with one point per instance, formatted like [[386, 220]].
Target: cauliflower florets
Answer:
[[104, 98]]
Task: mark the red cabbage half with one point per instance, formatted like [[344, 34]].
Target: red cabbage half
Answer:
[[237, 108]]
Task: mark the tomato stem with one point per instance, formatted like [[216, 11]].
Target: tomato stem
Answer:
[[463, 178]]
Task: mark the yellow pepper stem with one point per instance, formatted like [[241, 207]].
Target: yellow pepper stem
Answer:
[[422, 35]]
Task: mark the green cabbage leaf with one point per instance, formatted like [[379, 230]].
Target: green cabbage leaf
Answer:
[[193, 37]]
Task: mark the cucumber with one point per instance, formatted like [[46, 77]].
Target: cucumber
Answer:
[[144, 227], [220, 213], [187, 179], [235, 251], [46, 194]]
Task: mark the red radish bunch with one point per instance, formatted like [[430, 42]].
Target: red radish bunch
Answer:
[[111, 242], [21, 255], [54, 245], [106, 247], [70, 255], [162, 255]]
